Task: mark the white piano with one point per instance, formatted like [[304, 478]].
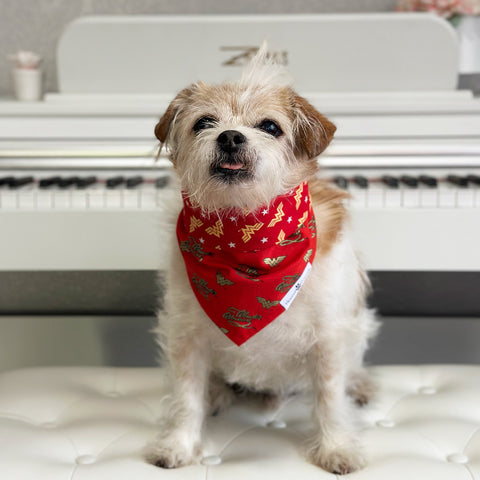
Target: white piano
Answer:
[[81, 192]]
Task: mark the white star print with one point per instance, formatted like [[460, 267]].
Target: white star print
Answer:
[[202, 240], [306, 198], [289, 219], [233, 219], [265, 211], [264, 240], [231, 245]]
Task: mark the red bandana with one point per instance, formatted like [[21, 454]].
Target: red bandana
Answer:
[[246, 268]]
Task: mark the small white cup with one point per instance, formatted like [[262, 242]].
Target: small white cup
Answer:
[[27, 84]]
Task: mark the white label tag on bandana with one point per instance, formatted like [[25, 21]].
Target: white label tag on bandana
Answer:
[[292, 293]]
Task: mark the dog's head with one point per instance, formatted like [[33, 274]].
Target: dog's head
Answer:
[[239, 145]]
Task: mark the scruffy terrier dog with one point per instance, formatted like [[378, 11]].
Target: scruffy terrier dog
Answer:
[[264, 288]]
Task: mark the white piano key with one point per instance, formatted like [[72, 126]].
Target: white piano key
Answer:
[[392, 198], [477, 197], [79, 199], [131, 198], [95, 198], [465, 197], [428, 197], [113, 198], [410, 197], [44, 200], [26, 198], [61, 199], [447, 196], [8, 200], [375, 195], [359, 197]]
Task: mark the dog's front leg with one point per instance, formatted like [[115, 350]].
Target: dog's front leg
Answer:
[[333, 446], [178, 442]]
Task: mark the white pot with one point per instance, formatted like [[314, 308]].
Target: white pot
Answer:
[[27, 84], [468, 30]]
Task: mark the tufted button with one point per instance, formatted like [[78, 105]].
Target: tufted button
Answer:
[[427, 391], [211, 460], [385, 423], [457, 458], [85, 459], [277, 424]]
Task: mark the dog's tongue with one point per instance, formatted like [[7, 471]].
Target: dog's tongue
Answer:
[[231, 166]]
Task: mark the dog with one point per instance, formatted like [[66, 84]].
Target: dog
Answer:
[[264, 290]]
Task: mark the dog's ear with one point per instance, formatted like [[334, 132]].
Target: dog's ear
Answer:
[[313, 132], [162, 128]]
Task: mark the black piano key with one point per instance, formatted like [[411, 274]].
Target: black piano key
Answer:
[[429, 181], [67, 182], [5, 181], [133, 182], [475, 179], [49, 182], [360, 181], [161, 182], [84, 182], [409, 181], [341, 181], [457, 180], [18, 182], [389, 181], [114, 182]]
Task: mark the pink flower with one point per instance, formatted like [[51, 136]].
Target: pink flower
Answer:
[[444, 8]]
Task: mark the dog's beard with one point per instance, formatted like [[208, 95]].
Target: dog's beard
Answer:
[[250, 178]]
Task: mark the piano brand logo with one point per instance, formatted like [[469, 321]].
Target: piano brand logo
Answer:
[[242, 55]]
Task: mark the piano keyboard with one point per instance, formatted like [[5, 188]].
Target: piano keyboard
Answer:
[[411, 189], [81, 190]]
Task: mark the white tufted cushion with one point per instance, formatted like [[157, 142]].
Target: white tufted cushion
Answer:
[[92, 424]]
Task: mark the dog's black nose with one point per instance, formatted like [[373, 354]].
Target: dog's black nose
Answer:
[[230, 140]]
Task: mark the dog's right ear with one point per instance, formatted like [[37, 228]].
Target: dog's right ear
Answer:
[[162, 129]]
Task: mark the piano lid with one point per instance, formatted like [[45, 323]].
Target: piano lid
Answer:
[[325, 53]]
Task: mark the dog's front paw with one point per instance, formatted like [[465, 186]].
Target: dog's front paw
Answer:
[[339, 460], [169, 454]]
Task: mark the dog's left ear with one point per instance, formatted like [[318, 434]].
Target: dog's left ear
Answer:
[[313, 132]]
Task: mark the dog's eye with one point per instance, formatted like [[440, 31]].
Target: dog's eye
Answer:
[[270, 127], [203, 123]]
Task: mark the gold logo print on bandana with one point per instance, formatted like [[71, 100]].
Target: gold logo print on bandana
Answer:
[[249, 230], [193, 247], [240, 318], [298, 196], [216, 229], [301, 220], [202, 286], [308, 255], [246, 271], [278, 216], [194, 223], [287, 282], [295, 237], [221, 280], [268, 303], [274, 261]]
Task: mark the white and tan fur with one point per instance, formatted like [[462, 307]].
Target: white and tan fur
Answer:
[[318, 344]]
